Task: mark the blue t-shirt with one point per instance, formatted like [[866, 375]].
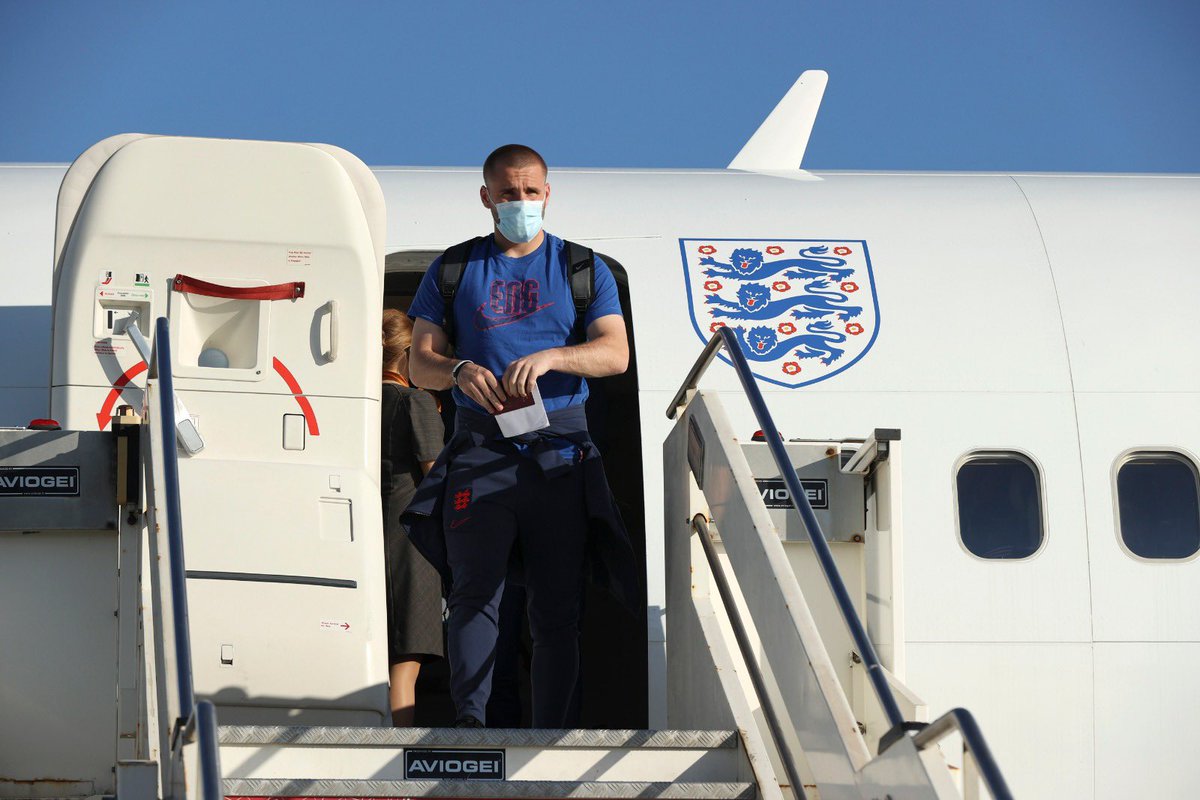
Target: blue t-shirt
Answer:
[[507, 308]]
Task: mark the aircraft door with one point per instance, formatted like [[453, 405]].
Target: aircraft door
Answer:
[[267, 259]]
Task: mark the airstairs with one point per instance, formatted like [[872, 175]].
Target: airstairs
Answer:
[[774, 689], [792, 731]]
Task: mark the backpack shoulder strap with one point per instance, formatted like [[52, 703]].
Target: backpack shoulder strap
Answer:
[[581, 272], [454, 263]]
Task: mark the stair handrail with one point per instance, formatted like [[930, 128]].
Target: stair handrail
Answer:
[[958, 719], [184, 686], [747, 649], [974, 746], [198, 719], [210, 754], [724, 337]]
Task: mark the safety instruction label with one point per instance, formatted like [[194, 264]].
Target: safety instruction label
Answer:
[[39, 481], [127, 295]]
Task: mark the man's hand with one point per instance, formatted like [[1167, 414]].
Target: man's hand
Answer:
[[521, 376], [479, 384]]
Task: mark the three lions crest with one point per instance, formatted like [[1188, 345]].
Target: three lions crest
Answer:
[[803, 310]]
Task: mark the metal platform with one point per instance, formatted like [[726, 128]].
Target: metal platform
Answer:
[[241, 788], [474, 737], [262, 761]]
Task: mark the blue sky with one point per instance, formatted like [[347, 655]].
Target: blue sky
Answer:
[[1047, 85]]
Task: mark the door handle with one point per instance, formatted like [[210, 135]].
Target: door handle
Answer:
[[332, 315]]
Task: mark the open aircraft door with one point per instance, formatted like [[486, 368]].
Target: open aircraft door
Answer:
[[267, 258]]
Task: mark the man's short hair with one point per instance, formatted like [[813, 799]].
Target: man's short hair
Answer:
[[512, 155]]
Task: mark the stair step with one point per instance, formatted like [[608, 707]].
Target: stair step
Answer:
[[474, 737], [519, 756], [253, 789]]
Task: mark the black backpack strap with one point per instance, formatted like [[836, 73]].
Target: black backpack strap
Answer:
[[454, 263], [581, 272]]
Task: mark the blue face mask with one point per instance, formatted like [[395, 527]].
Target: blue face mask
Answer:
[[520, 220]]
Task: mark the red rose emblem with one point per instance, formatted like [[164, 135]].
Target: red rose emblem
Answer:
[[842, 251], [786, 327], [849, 286], [854, 329], [791, 368], [774, 250], [707, 249], [712, 286], [713, 328], [781, 286]]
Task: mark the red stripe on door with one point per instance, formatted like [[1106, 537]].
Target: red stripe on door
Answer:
[[105, 415], [310, 416]]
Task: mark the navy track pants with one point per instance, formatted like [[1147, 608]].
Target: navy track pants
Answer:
[[497, 500]]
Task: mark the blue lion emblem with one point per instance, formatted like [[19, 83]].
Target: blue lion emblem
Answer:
[[754, 302], [761, 343], [748, 265]]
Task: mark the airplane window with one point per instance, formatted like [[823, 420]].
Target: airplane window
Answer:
[[999, 506], [1158, 505]]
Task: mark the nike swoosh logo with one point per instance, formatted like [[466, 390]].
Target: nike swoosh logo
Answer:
[[485, 321], [458, 522]]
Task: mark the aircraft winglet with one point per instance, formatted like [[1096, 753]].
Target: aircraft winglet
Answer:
[[780, 142]]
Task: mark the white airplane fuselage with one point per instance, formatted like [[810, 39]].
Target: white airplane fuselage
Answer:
[[1049, 316]]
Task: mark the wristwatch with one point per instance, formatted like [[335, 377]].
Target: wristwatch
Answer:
[[454, 372]]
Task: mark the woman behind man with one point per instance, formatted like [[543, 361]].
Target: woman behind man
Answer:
[[412, 438]]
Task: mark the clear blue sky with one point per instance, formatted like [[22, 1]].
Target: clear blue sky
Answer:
[[1075, 85]]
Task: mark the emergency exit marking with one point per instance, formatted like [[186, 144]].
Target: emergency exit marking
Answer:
[[39, 481], [114, 315], [775, 493], [335, 626]]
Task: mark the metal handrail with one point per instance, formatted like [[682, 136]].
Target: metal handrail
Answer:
[[210, 754], [866, 651], [198, 719], [170, 450], [959, 719], [700, 525]]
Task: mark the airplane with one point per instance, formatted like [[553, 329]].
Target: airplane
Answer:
[[983, 380]]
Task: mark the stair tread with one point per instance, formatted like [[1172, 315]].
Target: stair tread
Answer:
[[616, 790], [474, 737]]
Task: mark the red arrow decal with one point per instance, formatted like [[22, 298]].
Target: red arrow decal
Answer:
[[346, 626], [310, 416], [105, 415]]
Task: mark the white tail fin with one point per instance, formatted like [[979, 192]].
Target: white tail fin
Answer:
[[780, 142]]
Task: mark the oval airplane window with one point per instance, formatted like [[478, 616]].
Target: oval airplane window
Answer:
[[1158, 505], [999, 505]]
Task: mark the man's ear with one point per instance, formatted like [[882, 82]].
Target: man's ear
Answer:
[[546, 200], [483, 197]]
